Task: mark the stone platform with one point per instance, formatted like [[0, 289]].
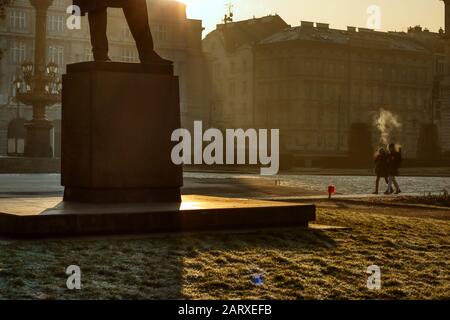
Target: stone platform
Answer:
[[51, 217]]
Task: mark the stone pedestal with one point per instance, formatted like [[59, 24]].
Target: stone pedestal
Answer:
[[38, 139], [117, 122]]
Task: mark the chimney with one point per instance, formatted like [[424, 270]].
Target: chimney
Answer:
[[367, 29], [309, 24], [325, 26], [447, 18]]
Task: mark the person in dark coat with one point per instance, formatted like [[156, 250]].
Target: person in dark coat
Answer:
[[381, 169], [136, 15], [394, 161]]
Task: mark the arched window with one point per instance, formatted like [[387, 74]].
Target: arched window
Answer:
[[16, 137]]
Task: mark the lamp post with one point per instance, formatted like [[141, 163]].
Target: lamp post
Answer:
[[435, 96], [16, 134], [40, 88], [17, 85]]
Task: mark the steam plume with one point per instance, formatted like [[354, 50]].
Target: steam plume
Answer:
[[387, 123]]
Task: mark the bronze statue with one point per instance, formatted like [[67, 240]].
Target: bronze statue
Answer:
[[136, 15]]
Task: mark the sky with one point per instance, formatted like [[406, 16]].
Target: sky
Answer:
[[395, 15]]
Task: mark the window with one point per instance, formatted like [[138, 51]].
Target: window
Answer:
[[357, 71], [377, 94], [244, 87], [56, 55], [55, 23], [217, 70], [88, 55], [16, 137], [161, 32], [244, 65], [403, 96], [60, 3], [129, 55], [232, 67], [232, 88], [308, 89], [231, 110], [18, 52], [394, 95], [126, 33], [369, 72], [307, 67], [331, 70], [18, 20], [440, 67], [380, 72], [368, 94]]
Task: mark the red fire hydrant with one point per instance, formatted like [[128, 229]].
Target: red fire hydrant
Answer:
[[331, 190]]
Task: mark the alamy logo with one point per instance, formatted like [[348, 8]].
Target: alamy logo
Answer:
[[374, 20], [74, 20], [235, 142], [74, 279], [374, 280]]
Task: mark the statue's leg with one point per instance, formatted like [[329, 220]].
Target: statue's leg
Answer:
[[98, 20], [137, 17]]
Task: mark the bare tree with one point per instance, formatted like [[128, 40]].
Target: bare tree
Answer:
[[3, 5]]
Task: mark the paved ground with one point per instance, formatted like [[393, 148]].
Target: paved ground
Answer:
[[240, 185]]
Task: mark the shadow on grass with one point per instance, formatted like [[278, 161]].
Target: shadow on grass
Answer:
[[146, 268]]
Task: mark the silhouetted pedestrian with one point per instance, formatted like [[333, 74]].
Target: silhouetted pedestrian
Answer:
[[381, 169], [394, 161]]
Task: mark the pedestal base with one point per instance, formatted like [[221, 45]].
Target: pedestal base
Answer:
[[117, 123], [50, 217], [122, 195], [38, 139]]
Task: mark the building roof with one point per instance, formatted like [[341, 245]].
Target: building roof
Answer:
[[236, 34], [434, 41], [361, 37]]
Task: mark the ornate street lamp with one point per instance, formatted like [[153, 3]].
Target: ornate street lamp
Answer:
[[18, 83], [40, 88], [37, 89], [52, 69], [27, 68]]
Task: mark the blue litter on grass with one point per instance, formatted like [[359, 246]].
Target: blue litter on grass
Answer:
[[257, 280]]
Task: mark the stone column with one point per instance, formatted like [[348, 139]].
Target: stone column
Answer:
[[39, 128]]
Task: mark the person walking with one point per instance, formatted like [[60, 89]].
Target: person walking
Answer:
[[394, 161], [381, 169]]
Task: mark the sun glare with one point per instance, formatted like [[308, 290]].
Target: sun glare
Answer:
[[204, 8]]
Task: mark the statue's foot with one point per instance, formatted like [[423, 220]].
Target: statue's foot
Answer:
[[152, 58], [102, 58]]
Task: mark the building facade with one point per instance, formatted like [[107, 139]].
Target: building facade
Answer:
[[229, 52], [445, 86], [313, 82], [440, 113], [177, 38]]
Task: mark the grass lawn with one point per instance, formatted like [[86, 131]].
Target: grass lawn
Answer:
[[412, 252]]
